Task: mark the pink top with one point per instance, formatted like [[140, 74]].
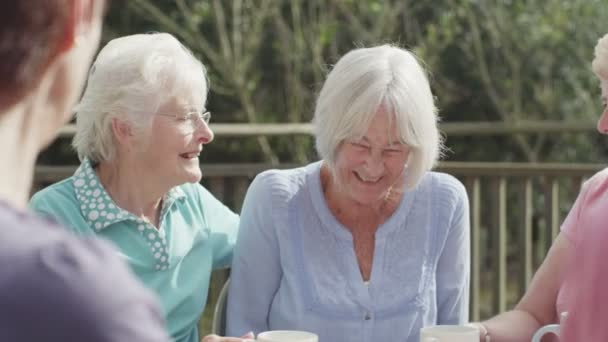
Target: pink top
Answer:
[[589, 212]]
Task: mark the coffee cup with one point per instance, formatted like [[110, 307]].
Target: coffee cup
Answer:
[[549, 329], [286, 336], [449, 333]]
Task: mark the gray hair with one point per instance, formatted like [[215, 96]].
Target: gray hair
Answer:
[[600, 62], [367, 79], [132, 77]]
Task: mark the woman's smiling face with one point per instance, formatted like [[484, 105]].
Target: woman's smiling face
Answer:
[[172, 147], [369, 166]]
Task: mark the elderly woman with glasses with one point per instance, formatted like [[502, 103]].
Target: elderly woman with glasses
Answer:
[[141, 126]]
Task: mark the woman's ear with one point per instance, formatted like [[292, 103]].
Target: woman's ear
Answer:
[[123, 133]]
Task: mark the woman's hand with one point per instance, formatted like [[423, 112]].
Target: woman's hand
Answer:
[[216, 338], [483, 332]]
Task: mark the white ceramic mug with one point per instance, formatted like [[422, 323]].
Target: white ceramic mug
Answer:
[[286, 336], [449, 333], [430, 339], [549, 329]]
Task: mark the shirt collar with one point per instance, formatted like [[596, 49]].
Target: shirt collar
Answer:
[[96, 205]]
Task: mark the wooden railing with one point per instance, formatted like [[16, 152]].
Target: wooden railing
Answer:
[[516, 210], [468, 128]]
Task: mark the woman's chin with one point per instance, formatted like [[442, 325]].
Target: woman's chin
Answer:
[[368, 195], [193, 176]]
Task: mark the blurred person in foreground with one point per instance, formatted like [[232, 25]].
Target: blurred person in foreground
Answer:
[[571, 279], [140, 127], [367, 244], [54, 286]]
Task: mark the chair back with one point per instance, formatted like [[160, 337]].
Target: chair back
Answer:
[[218, 325]]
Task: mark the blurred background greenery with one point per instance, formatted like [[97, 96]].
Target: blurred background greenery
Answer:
[[491, 60]]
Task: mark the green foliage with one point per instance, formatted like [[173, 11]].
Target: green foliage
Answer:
[[494, 60], [518, 60]]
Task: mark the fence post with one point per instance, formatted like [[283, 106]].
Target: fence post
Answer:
[[499, 242], [525, 235], [473, 185]]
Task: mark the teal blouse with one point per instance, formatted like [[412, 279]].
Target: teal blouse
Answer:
[[196, 234]]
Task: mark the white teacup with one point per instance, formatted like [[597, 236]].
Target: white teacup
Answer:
[[549, 329], [286, 336], [449, 333]]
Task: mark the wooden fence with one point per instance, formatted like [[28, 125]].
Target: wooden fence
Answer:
[[516, 210], [475, 128]]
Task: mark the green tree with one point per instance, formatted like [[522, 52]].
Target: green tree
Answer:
[[495, 60], [519, 60]]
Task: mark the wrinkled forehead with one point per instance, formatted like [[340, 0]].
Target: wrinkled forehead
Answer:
[[382, 124]]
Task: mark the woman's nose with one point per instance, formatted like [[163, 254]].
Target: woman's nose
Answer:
[[374, 164], [204, 133]]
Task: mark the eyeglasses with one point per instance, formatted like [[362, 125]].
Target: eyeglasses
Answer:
[[192, 119]]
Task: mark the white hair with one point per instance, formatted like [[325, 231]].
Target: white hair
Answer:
[[131, 78], [366, 80], [600, 62]]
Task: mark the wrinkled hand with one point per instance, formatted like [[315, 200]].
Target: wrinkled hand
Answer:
[[216, 338]]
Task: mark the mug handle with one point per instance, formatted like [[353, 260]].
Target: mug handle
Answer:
[[547, 329]]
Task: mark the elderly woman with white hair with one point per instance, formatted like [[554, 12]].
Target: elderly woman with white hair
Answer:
[[367, 244], [141, 125]]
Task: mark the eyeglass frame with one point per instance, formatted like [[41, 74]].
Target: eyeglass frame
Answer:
[[189, 116]]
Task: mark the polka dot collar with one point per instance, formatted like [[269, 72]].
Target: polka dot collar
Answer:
[[97, 206]]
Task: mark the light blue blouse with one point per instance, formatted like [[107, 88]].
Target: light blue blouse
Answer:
[[196, 234], [295, 266]]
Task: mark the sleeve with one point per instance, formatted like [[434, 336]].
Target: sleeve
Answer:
[[90, 295], [53, 206], [223, 224], [256, 270], [570, 224], [453, 269], [41, 204]]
